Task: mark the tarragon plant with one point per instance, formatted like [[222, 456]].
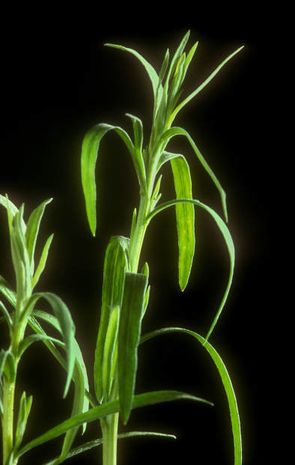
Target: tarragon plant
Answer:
[[24, 321], [126, 290]]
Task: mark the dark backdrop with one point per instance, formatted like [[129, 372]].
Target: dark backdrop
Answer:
[[58, 80]]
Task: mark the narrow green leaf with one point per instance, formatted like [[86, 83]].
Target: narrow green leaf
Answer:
[[176, 56], [90, 148], [29, 340], [228, 241], [20, 256], [8, 205], [43, 260], [164, 66], [63, 315], [80, 378], [108, 408], [98, 442], [5, 312], [185, 219], [152, 74], [226, 381], [176, 131], [23, 414], [110, 344], [7, 292], [204, 84], [129, 336], [137, 130], [32, 231], [115, 265]]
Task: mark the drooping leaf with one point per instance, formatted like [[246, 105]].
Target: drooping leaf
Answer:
[[226, 381], [115, 265], [90, 149], [176, 131], [98, 442], [32, 231], [5, 312], [80, 378], [29, 340], [152, 74], [108, 408], [185, 219], [228, 241], [204, 84], [43, 260], [64, 318], [129, 337], [23, 414]]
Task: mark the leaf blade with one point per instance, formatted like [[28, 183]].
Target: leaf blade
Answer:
[[226, 381], [129, 337], [139, 400], [185, 219], [228, 241]]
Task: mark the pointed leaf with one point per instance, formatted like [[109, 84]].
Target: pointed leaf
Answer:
[[98, 442], [7, 292], [23, 414], [152, 74], [176, 131], [29, 340], [42, 261], [228, 241], [63, 315], [226, 381], [33, 230], [108, 408], [115, 265], [177, 55], [109, 352], [185, 219], [129, 337], [204, 84], [5, 312], [90, 148]]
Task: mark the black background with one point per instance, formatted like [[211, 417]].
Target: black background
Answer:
[[58, 80]]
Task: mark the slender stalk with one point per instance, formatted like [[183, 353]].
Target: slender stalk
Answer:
[[110, 438], [8, 418]]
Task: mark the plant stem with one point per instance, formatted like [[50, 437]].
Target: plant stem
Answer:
[[110, 438], [7, 419]]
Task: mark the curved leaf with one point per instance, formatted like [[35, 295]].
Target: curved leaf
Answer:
[[108, 408], [90, 148], [152, 74], [98, 442], [23, 414], [64, 318], [226, 381], [228, 241], [176, 131]]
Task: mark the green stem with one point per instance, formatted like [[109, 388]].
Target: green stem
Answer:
[[109, 427], [7, 419]]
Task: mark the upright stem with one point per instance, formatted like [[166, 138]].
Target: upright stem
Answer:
[[7, 419], [9, 386], [110, 437], [109, 424]]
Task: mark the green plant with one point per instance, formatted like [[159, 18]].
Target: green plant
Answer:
[[126, 289], [24, 322]]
